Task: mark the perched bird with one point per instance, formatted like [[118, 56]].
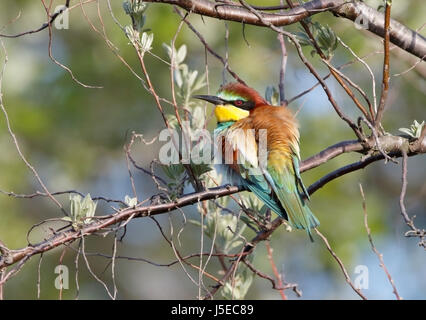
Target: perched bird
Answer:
[[245, 121]]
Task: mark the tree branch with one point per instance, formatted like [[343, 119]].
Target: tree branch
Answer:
[[400, 35], [394, 145]]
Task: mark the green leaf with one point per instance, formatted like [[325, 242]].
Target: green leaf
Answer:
[[198, 118], [195, 222], [238, 287], [191, 79], [178, 78], [272, 95], [303, 39], [406, 131], [168, 50], [173, 171], [324, 37], [246, 220], [136, 10], [127, 6], [200, 83], [172, 120], [200, 169], [268, 93]]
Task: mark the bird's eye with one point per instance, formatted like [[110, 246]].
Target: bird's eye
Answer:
[[238, 102]]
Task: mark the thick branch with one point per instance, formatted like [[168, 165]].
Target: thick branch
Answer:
[[354, 10], [392, 144], [400, 35]]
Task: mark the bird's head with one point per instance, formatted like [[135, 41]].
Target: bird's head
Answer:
[[234, 101]]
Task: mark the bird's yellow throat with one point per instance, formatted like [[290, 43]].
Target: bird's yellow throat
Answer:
[[230, 113]]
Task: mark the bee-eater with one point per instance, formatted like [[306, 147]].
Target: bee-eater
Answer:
[[242, 114]]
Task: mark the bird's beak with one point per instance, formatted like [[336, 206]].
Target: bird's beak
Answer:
[[212, 99]]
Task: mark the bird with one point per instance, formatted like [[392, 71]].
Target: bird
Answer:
[[248, 129]]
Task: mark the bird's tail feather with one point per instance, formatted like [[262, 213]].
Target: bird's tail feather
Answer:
[[299, 214]]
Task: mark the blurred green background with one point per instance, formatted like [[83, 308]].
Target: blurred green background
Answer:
[[74, 137]]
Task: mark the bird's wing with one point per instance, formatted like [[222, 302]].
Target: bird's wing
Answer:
[[241, 143], [276, 183], [283, 175], [295, 157]]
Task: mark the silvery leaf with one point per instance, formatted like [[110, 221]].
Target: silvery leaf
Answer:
[[191, 78], [406, 131], [178, 78], [168, 50], [181, 54], [146, 41], [131, 202]]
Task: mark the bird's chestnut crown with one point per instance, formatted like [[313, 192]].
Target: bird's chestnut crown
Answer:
[[235, 94]]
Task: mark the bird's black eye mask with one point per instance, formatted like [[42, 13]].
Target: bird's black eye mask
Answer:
[[239, 103], [246, 105]]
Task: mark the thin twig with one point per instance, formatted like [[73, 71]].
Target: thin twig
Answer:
[[275, 270], [259, 273], [15, 140], [341, 265], [414, 232], [373, 247], [386, 71], [209, 49], [373, 80], [295, 41], [39, 275], [283, 66], [43, 26], [70, 72]]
